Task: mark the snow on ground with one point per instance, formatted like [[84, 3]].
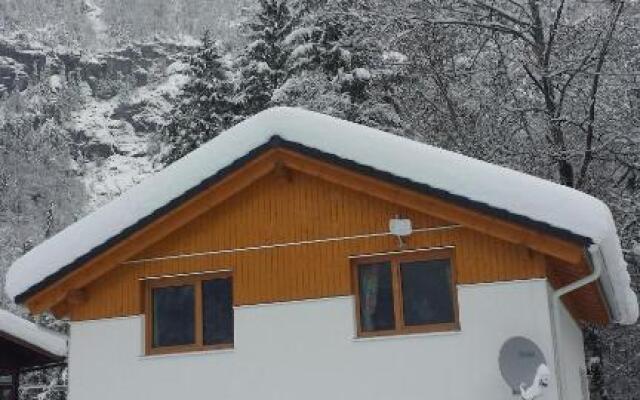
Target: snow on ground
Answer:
[[171, 87], [37, 336], [110, 178], [94, 16]]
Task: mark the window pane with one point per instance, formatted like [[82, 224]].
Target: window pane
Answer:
[[6, 388], [376, 297], [6, 393], [217, 309], [173, 315], [426, 291]]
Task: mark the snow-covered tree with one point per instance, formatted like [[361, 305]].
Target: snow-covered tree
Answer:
[[543, 87], [40, 193], [334, 40], [207, 105], [264, 65]]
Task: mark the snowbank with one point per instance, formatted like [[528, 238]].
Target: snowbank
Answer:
[[492, 186], [51, 342]]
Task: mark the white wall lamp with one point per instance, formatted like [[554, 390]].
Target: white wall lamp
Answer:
[[400, 227]]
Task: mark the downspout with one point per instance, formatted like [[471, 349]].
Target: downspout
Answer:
[[596, 271]]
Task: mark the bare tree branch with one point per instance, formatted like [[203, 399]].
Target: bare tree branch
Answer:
[[588, 154], [552, 34], [500, 12], [494, 26]]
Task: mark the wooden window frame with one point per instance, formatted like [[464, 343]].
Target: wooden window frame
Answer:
[[196, 281], [395, 259]]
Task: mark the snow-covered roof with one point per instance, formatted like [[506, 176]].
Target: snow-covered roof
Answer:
[[562, 210], [50, 342]]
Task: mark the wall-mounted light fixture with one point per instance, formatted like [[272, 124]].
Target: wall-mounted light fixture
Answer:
[[400, 227]]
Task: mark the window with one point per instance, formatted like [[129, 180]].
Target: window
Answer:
[[6, 387], [405, 293], [174, 322], [189, 313]]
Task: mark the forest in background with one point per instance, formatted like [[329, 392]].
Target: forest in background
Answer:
[[95, 92]]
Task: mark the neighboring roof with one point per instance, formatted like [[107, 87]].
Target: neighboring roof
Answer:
[[51, 343], [525, 199]]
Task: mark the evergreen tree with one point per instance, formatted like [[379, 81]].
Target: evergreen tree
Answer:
[[264, 64], [207, 105], [334, 41]]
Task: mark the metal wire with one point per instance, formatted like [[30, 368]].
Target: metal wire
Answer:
[[419, 250], [153, 278], [279, 245]]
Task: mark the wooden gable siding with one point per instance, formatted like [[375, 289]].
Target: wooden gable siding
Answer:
[[586, 303], [67, 288], [291, 207]]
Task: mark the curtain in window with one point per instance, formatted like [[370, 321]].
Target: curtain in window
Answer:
[[369, 285]]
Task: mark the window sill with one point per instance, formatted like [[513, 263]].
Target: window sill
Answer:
[[194, 353], [401, 335]]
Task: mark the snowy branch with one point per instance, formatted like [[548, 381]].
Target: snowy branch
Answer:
[[493, 26]]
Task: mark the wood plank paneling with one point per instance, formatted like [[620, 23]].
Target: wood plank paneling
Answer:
[[279, 209], [586, 303], [52, 296]]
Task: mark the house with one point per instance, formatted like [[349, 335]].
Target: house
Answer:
[[25, 346], [300, 256]]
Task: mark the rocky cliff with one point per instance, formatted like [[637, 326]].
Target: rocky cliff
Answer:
[[125, 97]]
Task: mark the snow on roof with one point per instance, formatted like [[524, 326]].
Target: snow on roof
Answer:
[[44, 339], [519, 195]]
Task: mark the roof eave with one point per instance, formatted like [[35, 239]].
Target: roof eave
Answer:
[[54, 357], [275, 141]]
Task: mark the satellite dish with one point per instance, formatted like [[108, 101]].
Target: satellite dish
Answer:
[[519, 361]]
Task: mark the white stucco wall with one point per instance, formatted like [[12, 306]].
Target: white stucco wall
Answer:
[[307, 350], [570, 347]]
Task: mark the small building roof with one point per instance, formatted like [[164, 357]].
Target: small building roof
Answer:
[[28, 343], [522, 198]]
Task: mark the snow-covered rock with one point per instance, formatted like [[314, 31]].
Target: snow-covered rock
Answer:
[[177, 67], [113, 132], [113, 138], [13, 76], [362, 74], [394, 57]]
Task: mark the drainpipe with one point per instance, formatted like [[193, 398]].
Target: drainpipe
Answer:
[[594, 259]]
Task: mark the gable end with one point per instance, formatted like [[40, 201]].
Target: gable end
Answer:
[[563, 243]]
